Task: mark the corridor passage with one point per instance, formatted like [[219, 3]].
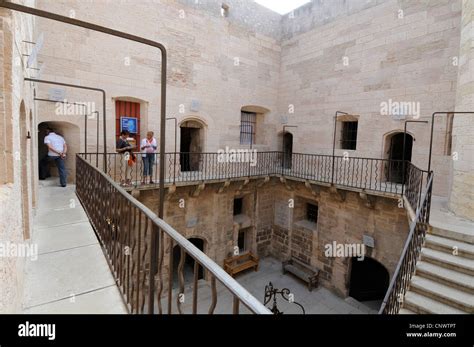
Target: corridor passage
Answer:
[[70, 274]]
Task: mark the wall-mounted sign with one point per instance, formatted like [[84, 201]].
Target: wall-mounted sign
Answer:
[[130, 124], [57, 94], [195, 105], [368, 241]]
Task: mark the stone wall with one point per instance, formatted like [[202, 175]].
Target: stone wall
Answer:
[[461, 199], [279, 226], [341, 221], [353, 56], [17, 172]]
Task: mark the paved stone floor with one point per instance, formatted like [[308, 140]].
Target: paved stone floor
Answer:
[[319, 301], [71, 274]]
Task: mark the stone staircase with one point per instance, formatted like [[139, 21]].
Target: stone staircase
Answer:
[[444, 279]]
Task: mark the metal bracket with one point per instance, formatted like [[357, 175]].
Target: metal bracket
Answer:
[[199, 188], [263, 182], [246, 181], [341, 194], [285, 182], [368, 199], [223, 187], [171, 192], [314, 189]]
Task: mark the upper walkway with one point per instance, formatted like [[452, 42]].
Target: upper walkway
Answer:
[[70, 274]]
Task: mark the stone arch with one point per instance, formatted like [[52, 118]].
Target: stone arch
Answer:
[[393, 151], [71, 133], [25, 137], [386, 140], [192, 142], [369, 280]]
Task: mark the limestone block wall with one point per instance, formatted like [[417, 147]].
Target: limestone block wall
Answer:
[[343, 222], [18, 170], [461, 200], [353, 56], [278, 226]]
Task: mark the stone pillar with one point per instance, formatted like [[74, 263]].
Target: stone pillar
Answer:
[[461, 199]]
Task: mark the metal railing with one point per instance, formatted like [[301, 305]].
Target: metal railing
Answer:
[[381, 175], [400, 282], [133, 238]]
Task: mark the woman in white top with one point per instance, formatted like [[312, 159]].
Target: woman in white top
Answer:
[[148, 147]]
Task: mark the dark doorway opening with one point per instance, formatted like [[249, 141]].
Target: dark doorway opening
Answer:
[[188, 270], [395, 165], [71, 134], [369, 280], [287, 150], [190, 148]]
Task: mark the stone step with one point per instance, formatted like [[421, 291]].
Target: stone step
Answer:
[[445, 276], [453, 262], [442, 293], [449, 245], [464, 235], [424, 305]]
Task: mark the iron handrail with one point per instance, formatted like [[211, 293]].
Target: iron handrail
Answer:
[[231, 284], [426, 196]]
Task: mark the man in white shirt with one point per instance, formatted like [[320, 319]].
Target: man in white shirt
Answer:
[[57, 149]]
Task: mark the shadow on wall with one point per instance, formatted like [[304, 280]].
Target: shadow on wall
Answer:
[[71, 134]]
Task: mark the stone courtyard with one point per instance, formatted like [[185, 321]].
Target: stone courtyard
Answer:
[[318, 301]]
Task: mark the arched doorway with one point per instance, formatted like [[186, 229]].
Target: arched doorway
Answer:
[[287, 150], [369, 280], [191, 144], [71, 134], [25, 199], [395, 149], [188, 269]]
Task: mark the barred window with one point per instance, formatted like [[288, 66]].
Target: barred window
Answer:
[[238, 202], [349, 135], [248, 120], [312, 212]]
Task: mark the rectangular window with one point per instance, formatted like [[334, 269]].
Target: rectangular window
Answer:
[[238, 206], [349, 135], [312, 212], [248, 121], [241, 241]]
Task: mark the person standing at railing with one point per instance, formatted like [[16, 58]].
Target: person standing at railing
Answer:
[[148, 147], [57, 149], [124, 148]]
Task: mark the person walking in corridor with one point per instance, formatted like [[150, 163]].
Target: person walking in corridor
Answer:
[[148, 147], [57, 150]]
